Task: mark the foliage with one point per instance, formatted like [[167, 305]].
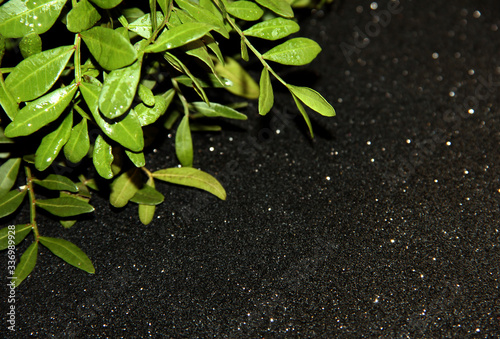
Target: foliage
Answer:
[[119, 74]]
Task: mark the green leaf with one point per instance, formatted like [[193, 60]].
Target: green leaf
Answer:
[[245, 10], [198, 50], [203, 15], [147, 195], [204, 128], [179, 65], [295, 52], [179, 36], [78, 144], [10, 201], [273, 29], [107, 4], [111, 49], [280, 7], [26, 264], [2, 47], [313, 100], [266, 98], [82, 16], [58, 183], [192, 177], [127, 132], [52, 144], [7, 101], [148, 115], [217, 110], [304, 114], [103, 157], [137, 158], [40, 112], [35, 75], [242, 83], [65, 206], [124, 187], [67, 223], [20, 17], [13, 236], [146, 95], [147, 212], [8, 174], [30, 44], [184, 143], [244, 50], [118, 90], [68, 252]]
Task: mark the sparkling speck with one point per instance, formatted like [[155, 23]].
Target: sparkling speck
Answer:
[[435, 55], [408, 141], [368, 142], [211, 149], [451, 94], [374, 5], [328, 178], [476, 14], [466, 171], [448, 143], [471, 111]]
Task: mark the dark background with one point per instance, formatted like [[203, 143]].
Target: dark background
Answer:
[[385, 226]]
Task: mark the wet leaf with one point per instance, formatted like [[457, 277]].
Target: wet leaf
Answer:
[[147, 195], [57, 182], [203, 15], [304, 114], [179, 65], [313, 100], [198, 50], [280, 7], [295, 52], [52, 144], [20, 232], [65, 206], [124, 187], [147, 212], [8, 174], [245, 10], [107, 4], [68, 252], [7, 101], [137, 158], [78, 144], [118, 90], [149, 115], [30, 44], [10, 201], [242, 83], [82, 16], [111, 49], [20, 17], [103, 157], [266, 98], [184, 143], [217, 110], [35, 75], [26, 264], [192, 177], [179, 36], [273, 29], [146, 96]]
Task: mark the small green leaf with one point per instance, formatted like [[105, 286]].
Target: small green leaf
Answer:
[[26, 264], [111, 49], [280, 7], [146, 96], [10, 201], [118, 90], [273, 29], [179, 65], [7, 101], [203, 15], [78, 144], [8, 174], [30, 44], [13, 235], [148, 115], [245, 10], [19, 17], [192, 177], [244, 50], [266, 98], [199, 50], [204, 128], [82, 16], [295, 52], [124, 187], [143, 26], [68, 252], [179, 36], [137, 158], [147, 195], [52, 144], [147, 212], [304, 114], [242, 83], [67, 223], [103, 157], [58, 183], [35, 75], [40, 112], [217, 110], [313, 100], [65, 206], [107, 4], [184, 143]]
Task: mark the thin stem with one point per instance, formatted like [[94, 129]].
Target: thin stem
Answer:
[[32, 198], [78, 66]]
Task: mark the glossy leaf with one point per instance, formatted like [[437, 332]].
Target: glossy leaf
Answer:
[[295, 52], [58, 183], [192, 177], [203, 15], [26, 264], [266, 98], [147, 212], [20, 17], [82, 16], [273, 29], [8, 174], [52, 144], [146, 96], [35, 75], [7, 100], [65, 206], [179, 65], [304, 114], [244, 50], [103, 157], [67, 223], [148, 115], [107, 4], [280, 7], [143, 26], [40, 112], [179, 36], [118, 90], [137, 158], [217, 110], [20, 232], [198, 50], [242, 83], [184, 143], [78, 144], [111, 49], [30, 44], [313, 100], [245, 10], [10, 201], [124, 187], [147, 195], [68, 252]]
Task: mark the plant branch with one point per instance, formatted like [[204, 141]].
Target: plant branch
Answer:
[[32, 199]]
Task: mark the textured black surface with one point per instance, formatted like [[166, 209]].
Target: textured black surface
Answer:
[[386, 225]]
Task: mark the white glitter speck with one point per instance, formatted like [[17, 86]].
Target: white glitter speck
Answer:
[[211, 149], [451, 94], [374, 5], [435, 55], [471, 111]]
